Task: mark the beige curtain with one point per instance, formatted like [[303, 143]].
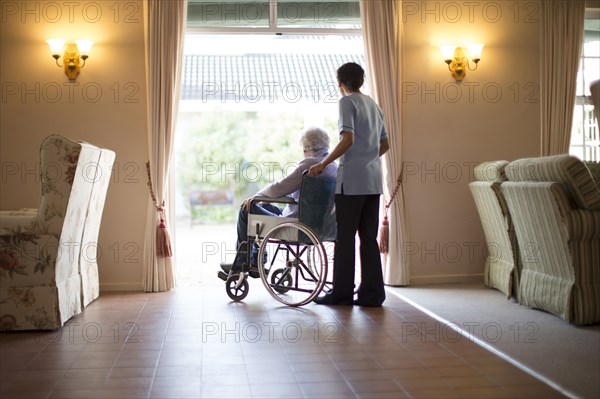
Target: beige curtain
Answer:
[[561, 35], [382, 30], [164, 29]]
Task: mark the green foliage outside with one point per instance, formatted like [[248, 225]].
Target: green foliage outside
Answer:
[[239, 152]]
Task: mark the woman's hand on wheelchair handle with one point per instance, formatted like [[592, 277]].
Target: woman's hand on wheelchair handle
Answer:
[[316, 169], [246, 204]]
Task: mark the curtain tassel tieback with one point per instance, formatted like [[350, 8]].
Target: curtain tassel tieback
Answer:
[[384, 230], [163, 238], [384, 235]]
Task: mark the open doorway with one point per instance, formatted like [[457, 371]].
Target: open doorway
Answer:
[[244, 100]]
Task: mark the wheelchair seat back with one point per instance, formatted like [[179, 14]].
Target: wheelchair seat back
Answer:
[[316, 209], [317, 206]]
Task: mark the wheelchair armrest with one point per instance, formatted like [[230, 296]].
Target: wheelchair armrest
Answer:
[[278, 200]]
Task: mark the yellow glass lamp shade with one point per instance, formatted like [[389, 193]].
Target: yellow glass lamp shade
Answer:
[[84, 47], [56, 47], [475, 51], [447, 51]]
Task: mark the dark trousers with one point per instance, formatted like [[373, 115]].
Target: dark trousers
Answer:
[[357, 213]]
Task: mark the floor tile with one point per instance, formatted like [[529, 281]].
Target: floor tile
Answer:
[[276, 389], [331, 389]]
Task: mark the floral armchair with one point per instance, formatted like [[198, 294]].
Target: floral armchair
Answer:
[[40, 250]]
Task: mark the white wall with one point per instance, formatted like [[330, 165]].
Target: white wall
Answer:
[[449, 127], [106, 106]]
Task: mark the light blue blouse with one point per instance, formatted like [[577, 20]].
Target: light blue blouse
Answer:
[[359, 171]]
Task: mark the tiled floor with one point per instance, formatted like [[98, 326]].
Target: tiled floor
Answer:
[[195, 343]]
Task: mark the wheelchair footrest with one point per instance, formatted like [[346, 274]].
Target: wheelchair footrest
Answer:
[[222, 275]]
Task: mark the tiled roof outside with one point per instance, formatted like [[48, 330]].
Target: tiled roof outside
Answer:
[[263, 77]]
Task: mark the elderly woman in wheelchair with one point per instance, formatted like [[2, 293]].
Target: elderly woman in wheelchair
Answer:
[[292, 236]]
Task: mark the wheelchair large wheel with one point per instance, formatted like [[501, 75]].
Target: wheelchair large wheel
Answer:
[[296, 271]]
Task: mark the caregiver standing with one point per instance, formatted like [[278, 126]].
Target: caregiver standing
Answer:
[[363, 140]]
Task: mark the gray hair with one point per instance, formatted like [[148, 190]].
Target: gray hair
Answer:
[[314, 139]]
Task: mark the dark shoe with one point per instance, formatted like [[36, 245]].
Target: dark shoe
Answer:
[[366, 304], [329, 299], [255, 273], [330, 290]]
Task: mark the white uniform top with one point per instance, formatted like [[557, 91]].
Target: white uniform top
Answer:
[[359, 170]]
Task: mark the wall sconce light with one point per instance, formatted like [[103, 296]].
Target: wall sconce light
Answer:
[[71, 53], [457, 60]]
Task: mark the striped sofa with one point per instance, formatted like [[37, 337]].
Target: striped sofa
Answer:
[[555, 206], [501, 265]]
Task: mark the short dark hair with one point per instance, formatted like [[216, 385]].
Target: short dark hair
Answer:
[[351, 75]]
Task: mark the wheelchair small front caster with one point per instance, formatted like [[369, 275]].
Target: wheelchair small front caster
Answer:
[[281, 279], [237, 290]]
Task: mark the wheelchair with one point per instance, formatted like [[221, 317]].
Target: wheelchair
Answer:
[[293, 258]]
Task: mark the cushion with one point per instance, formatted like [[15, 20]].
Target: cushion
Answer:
[[594, 168], [491, 171], [566, 169]]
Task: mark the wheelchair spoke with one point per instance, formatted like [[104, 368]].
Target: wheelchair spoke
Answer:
[[297, 270]]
